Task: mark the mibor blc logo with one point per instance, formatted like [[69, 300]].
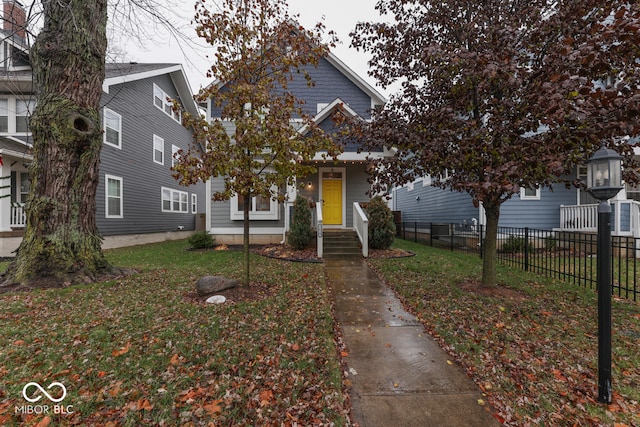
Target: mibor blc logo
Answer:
[[55, 392]]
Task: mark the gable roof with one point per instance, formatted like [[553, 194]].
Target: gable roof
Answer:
[[376, 97], [118, 73]]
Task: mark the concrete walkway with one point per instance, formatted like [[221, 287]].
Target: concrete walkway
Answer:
[[400, 376]]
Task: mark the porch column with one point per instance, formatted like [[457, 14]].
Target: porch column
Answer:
[[5, 198], [292, 193]]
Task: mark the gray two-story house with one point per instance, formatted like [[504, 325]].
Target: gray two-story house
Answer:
[[138, 200], [335, 187]]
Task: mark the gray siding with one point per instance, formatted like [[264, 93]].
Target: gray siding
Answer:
[[432, 204], [542, 214], [330, 84], [142, 177], [221, 212], [438, 205]]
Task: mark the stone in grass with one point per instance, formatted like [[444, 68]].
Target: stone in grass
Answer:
[[216, 299], [209, 285]]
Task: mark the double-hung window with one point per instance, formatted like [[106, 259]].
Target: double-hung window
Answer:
[[158, 150], [160, 100], [113, 196], [15, 114], [4, 115], [174, 152], [24, 109], [112, 128], [262, 208]]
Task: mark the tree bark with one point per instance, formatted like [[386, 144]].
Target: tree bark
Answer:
[[489, 274], [246, 237], [61, 241]]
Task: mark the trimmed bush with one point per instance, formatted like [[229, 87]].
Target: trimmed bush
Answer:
[[300, 233], [201, 240], [381, 226]]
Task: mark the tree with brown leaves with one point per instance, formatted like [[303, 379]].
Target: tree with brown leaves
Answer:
[[501, 94]]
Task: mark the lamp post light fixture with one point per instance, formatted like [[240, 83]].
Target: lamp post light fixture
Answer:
[[604, 181]]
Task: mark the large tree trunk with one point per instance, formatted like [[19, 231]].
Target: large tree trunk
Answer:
[[489, 275], [61, 242]]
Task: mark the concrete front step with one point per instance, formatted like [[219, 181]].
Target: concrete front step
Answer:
[[341, 244]]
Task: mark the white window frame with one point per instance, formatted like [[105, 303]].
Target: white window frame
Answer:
[[158, 146], [174, 151], [161, 103], [175, 196], [238, 215], [194, 203], [11, 113], [117, 116], [106, 196], [524, 196]]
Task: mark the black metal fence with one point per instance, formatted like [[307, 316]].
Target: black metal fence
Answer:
[[568, 256]]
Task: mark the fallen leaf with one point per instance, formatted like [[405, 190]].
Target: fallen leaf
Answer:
[[344, 353], [122, 350], [295, 347], [175, 359], [265, 397], [481, 402], [143, 404], [18, 342], [213, 408]]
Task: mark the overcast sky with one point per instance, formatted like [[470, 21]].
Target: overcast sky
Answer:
[[340, 16]]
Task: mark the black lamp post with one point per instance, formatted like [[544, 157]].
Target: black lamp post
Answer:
[[604, 181]]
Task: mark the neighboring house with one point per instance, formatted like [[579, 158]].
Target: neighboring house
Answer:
[[560, 209], [335, 187], [137, 199]]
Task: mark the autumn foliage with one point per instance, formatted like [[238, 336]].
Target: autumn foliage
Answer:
[[501, 95]]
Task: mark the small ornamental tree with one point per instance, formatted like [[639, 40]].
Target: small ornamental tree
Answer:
[[250, 143], [382, 229], [300, 234]]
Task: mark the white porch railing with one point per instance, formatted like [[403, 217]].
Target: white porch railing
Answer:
[[319, 228], [18, 216], [579, 218], [584, 218], [361, 227]]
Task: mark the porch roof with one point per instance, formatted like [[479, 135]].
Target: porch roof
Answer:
[[12, 147]]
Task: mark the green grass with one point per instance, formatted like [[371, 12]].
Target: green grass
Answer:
[[534, 351], [138, 351]]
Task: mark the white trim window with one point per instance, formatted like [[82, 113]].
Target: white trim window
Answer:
[[194, 203], [262, 208], [15, 114], [158, 150], [113, 196], [4, 115], [528, 193], [24, 109], [175, 200], [112, 128], [174, 152], [160, 100]]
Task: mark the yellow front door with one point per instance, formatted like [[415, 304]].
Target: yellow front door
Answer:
[[332, 204]]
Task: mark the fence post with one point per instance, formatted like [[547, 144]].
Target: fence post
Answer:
[[526, 249], [431, 234], [415, 231], [452, 234], [481, 231]]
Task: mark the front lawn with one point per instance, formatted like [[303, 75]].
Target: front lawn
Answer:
[[533, 350], [142, 351]]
